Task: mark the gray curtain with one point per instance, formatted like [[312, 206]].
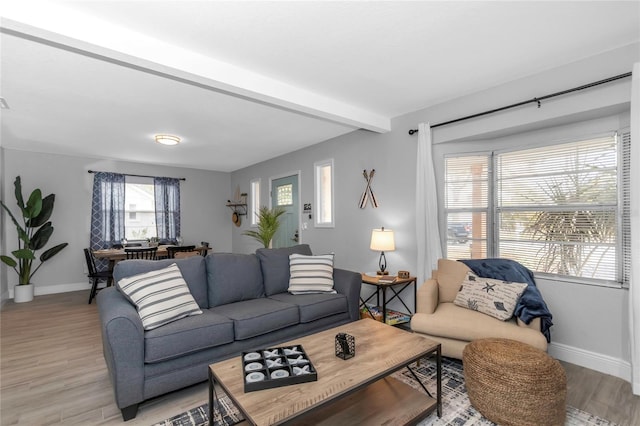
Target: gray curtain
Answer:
[[167, 195], [107, 212]]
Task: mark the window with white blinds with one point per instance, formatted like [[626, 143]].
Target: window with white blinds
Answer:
[[560, 209], [466, 205]]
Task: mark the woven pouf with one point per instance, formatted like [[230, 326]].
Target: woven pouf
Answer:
[[512, 383]]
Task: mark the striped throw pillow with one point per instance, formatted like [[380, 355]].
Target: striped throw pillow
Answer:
[[160, 296], [311, 274]]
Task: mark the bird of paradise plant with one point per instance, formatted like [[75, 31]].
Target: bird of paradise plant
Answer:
[[34, 232]]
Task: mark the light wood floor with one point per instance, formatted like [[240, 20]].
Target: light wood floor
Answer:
[[52, 372]]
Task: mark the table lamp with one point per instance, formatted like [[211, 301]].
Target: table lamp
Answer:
[[382, 240]]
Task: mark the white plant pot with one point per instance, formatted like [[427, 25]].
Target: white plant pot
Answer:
[[23, 293]]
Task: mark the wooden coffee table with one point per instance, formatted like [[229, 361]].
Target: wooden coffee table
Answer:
[[357, 390]]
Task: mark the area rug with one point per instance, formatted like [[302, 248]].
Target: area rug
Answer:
[[456, 408]]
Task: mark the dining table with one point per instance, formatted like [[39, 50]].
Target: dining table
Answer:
[[114, 255]]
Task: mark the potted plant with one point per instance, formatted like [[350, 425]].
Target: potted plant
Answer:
[[34, 232], [268, 224]]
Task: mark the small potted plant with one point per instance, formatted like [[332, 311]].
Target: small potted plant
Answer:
[[34, 231], [269, 222]]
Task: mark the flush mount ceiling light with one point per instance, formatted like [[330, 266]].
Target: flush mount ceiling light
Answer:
[[167, 139]]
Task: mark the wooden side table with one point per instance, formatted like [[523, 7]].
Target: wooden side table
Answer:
[[382, 288]]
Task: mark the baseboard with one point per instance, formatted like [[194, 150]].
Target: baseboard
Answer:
[[58, 288], [599, 362]]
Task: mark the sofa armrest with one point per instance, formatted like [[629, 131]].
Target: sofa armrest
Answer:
[[122, 345], [535, 324], [349, 283], [427, 297]]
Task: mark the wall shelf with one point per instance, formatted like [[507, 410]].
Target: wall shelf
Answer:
[[238, 207]]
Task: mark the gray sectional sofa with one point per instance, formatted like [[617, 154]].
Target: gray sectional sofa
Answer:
[[245, 306]]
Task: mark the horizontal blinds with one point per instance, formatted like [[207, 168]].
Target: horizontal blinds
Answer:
[[626, 206], [467, 203], [556, 207], [466, 182], [568, 174]]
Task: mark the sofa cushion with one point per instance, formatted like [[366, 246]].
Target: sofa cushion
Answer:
[[187, 335], [314, 306], [451, 273], [233, 278], [275, 266], [458, 323], [259, 316], [193, 271], [310, 274], [160, 296], [496, 298]]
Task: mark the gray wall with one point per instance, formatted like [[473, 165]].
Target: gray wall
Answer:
[[590, 322], [4, 290], [203, 198]]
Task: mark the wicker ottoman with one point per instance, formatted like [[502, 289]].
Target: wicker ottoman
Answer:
[[512, 383]]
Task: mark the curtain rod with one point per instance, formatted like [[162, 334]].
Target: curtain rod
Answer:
[[537, 100], [128, 174]]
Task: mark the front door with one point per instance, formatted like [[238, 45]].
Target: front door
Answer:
[[284, 193]]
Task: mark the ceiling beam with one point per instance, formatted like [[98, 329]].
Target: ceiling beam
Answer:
[[101, 40]]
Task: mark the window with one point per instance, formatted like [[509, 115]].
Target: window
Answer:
[[324, 216], [556, 209], [140, 222], [467, 204], [133, 207], [255, 201], [284, 195]]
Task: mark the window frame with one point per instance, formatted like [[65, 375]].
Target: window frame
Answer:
[[254, 206], [493, 232], [320, 195]]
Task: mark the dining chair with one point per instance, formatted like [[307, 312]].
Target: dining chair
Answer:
[[185, 254], [148, 253], [94, 274], [172, 250]]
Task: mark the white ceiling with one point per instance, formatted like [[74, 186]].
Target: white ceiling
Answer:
[[242, 82]]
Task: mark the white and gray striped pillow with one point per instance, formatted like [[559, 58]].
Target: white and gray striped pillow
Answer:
[[311, 274], [160, 296]]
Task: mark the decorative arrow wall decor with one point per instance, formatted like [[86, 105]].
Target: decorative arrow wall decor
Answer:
[[368, 192]]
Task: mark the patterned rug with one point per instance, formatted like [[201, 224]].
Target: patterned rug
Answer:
[[456, 408]]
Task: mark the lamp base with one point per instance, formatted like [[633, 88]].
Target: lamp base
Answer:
[[382, 272]]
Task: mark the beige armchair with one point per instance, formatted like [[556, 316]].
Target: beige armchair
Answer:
[[454, 326]]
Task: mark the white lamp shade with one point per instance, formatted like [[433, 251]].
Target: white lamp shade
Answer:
[[382, 240]]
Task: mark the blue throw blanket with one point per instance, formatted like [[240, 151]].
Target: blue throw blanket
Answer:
[[531, 304]]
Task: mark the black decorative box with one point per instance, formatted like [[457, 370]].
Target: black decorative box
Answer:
[[345, 346], [275, 367]]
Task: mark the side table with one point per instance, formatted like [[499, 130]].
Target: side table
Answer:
[[404, 284]]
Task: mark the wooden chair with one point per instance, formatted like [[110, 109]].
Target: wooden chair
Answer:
[[172, 250], [94, 274], [184, 254], [148, 253]]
